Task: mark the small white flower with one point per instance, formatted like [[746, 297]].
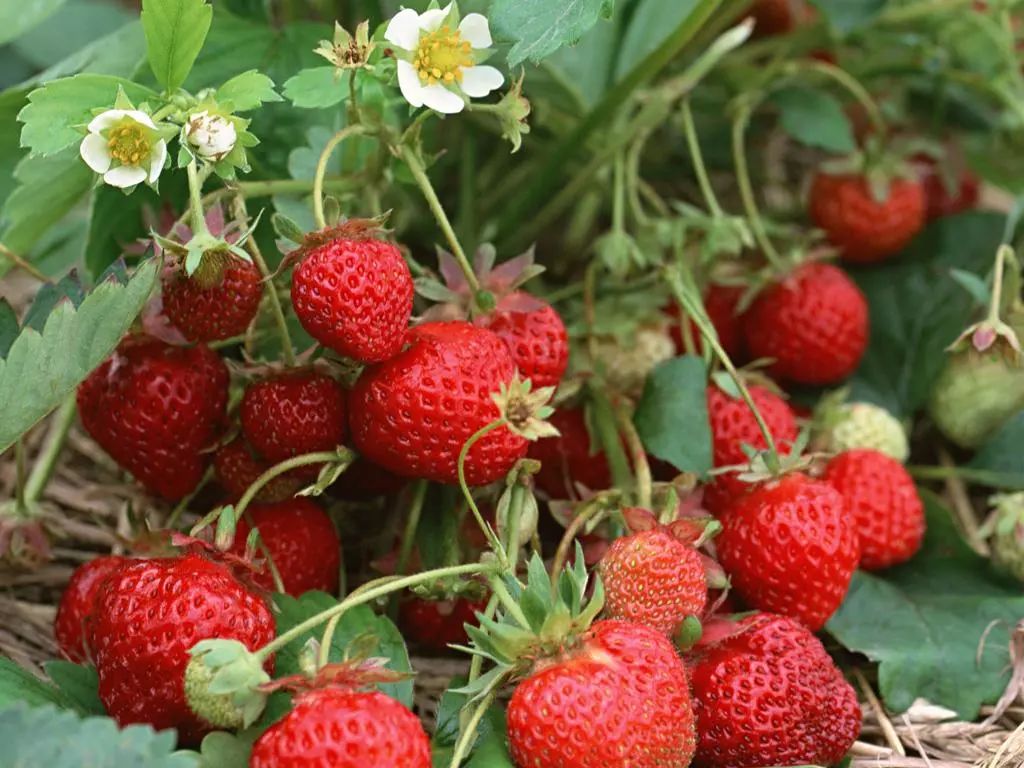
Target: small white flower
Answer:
[[125, 146], [437, 62], [213, 136]]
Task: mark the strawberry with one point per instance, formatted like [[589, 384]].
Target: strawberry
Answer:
[[336, 727], [652, 577], [1006, 529], [566, 459], [617, 696], [437, 624], [218, 301], [943, 198], [721, 302], [772, 17], [791, 548], [880, 496], [626, 364], [845, 426], [150, 613], [292, 413], [155, 409], [535, 336], [866, 230], [237, 466], [78, 603], [768, 694], [353, 293], [814, 324], [413, 413], [302, 541]]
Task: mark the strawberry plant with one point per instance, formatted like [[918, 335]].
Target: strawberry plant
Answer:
[[511, 383]]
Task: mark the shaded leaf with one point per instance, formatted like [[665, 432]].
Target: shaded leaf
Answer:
[[541, 27], [75, 26], [175, 32], [315, 88], [815, 118], [227, 750], [18, 685], [8, 327], [247, 91], [16, 18], [848, 15], [78, 684], [649, 25], [49, 295], [672, 416], [1002, 457]]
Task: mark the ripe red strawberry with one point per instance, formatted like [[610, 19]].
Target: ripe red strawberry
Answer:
[[237, 466], [880, 496], [814, 324], [217, 302], [651, 577], [942, 200], [155, 409], [293, 413], [150, 613], [732, 426], [790, 547], [864, 229], [302, 542], [354, 296], [721, 303], [768, 694], [772, 17], [436, 624], [618, 695], [566, 459], [413, 413], [535, 336], [335, 727], [78, 603]]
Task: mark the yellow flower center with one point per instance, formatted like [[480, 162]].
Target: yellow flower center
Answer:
[[128, 142], [441, 56]]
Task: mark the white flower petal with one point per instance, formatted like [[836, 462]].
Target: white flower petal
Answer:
[[475, 30], [106, 119], [140, 117], [409, 82], [440, 99], [480, 81], [430, 20], [404, 30], [156, 163], [95, 153], [125, 176]]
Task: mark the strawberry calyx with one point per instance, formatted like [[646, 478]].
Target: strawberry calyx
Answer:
[[355, 230], [352, 675], [214, 546], [880, 163], [223, 683]]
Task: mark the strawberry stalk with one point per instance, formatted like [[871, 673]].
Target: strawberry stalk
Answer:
[[850, 84], [697, 158], [641, 467], [468, 731], [592, 510], [489, 534], [321, 170], [339, 455], [739, 157], [42, 469], [610, 439], [195, 197], [22, 263]]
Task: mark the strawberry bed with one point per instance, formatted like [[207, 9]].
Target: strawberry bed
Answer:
[[556, 383]]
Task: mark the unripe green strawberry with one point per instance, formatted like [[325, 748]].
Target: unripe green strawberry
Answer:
[[852, 426], [1008, 534], [975, 395], [626, 365]]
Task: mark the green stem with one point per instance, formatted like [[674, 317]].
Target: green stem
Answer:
[[182, 505], [164, 111], [353, 98], [996, 300], [739, 155], [270, 187], [195, 197], [852, 85], [19, 475], [619, 195], [420, 175], [641, 467], [42, 469], [321, 169], [477, 663], [515, 513], [610, 440], [982, 476], [468, 732], [412, 524], [319, 457], [697, 158], [21, 263], [324, 655], [507, 601], [369, 594], [591, 508], [492, 539]]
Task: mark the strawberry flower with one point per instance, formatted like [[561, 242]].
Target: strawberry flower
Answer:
[[212, 136], [439, 57], [125, 146]]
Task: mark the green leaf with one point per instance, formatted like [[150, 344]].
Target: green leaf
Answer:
[[49, 295], [55, 112], [16, 18], [8, 327], [923, 621], [76, 25], [541, 27], [917, 309], [227, 750], [649, 25], [57, 739], [119, 53], [79, 685], [247, 91], [42, 369], [357, 622], [315, 88], [672, 416], [1002, 457], [815, 118], [175, 32], [490, 749], [18, 685], [848, 15]]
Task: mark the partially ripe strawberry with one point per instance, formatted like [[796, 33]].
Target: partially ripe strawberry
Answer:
[[148, 616], [156, 409], [354, 296], [413, 413], [218, 301], [302, 542], [769, 695], [535, 336], [651, 577], [566, 460], [880, 496], [866, 230], [721, 302], [437, 624], [236, 467], [813, 324], [293, 413], [78, 603], [617, 696], [335, 727], [790, 547]]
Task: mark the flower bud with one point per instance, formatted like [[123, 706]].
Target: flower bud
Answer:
[[212, 136]]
